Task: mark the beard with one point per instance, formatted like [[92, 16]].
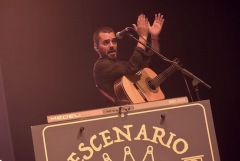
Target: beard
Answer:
[[111, 53]]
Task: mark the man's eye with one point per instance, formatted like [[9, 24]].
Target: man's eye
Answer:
[[105, 43]]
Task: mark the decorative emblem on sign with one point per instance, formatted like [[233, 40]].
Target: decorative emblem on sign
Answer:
[[127, 153], [193, 158], [149, 152], [106, 157]]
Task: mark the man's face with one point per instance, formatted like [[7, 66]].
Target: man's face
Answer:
[[107, 45]]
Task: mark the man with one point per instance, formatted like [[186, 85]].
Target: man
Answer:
[[108, 69]]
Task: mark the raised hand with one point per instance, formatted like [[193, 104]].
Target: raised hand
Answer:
[[142, 26], [156, 28]]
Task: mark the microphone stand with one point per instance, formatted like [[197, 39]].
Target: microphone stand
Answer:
[[184, 71], [195, 86]]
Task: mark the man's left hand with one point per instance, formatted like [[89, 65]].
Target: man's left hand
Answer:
[[156, 28]]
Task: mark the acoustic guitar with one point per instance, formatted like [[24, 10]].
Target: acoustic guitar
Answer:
[[143, 86]]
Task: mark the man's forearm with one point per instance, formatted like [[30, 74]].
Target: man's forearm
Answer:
[[155, 44], [142, 41]]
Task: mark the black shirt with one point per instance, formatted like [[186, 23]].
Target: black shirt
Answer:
[[107, 71]]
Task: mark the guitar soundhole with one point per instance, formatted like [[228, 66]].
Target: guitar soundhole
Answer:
[[151, 85]]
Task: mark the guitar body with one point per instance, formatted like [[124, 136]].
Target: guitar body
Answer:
[[138, 88]]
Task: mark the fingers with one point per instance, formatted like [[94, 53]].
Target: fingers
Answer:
[[156, 18], [162, 21], [159, 19], [149, 24], [142, 26], [142, 21], [135, 27]]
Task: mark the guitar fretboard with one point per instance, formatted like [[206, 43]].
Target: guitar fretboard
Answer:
[[164, 75]]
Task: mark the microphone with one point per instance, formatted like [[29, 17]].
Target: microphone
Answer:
[[120, 34]]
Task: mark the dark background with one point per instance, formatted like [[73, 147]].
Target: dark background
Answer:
[[47, 57]]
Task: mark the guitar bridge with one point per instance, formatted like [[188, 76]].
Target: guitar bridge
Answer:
[[140, 92]]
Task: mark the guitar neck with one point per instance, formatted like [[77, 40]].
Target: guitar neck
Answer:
[[164, 75]]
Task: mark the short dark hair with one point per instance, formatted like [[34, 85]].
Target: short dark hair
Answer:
[[96, 36]]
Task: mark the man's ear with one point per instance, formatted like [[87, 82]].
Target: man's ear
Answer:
[[96, 47]]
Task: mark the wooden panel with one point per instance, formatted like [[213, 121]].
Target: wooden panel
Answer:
[[186, 133]]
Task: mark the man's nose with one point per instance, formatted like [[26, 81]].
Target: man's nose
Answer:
[[111, 43]]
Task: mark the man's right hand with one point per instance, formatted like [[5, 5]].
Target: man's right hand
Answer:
[[142, 29]]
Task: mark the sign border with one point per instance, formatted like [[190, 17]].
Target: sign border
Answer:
[[134, 113]]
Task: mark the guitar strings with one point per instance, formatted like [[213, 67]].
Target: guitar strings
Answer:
[[158, 79], [161, 77], [165, 74]]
